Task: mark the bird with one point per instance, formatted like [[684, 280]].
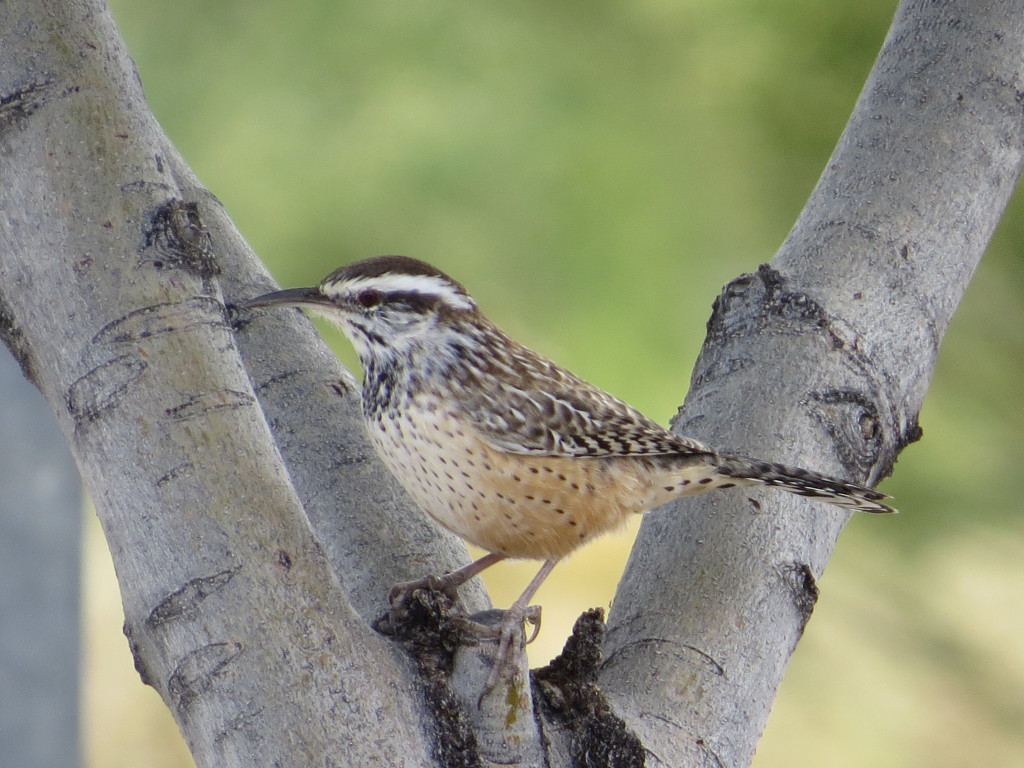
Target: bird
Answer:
[[500, 445]]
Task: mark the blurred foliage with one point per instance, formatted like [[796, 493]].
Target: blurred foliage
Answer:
[[594, 172]]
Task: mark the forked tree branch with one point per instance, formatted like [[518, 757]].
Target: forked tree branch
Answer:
[[115, 268]]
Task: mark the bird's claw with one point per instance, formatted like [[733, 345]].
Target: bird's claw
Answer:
[[493, 631], [402, 592], [532, 617], [510, 628]]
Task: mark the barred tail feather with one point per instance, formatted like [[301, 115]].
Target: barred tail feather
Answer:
[[803, 482]]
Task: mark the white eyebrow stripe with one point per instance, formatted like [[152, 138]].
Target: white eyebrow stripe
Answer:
[[428, 285]]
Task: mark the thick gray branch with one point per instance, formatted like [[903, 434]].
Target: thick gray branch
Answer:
[[821, 359], [114, 264], [115, 268]]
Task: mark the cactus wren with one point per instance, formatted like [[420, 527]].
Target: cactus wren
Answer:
[[500, 445]]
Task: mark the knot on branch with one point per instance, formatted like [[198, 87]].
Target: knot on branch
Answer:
[[18, 104], [751, 323], [431, 627], [176, 238], [851, 420], [568, 690], [753, 302], [802, 587]]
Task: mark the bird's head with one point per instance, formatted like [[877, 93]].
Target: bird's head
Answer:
[[383, 304]]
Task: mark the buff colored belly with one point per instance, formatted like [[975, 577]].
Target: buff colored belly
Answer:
[[521, 506]]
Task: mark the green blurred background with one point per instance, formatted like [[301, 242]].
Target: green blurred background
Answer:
[[594, 172]]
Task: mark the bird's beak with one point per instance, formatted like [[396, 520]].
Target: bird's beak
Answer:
[[291, 297]]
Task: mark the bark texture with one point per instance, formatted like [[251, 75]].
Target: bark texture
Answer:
[[114, 267], [820, 359], [250, 569]]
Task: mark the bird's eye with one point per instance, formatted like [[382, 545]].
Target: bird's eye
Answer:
[[368, 298]]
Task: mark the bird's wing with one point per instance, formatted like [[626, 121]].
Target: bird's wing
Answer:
[[559, 414]]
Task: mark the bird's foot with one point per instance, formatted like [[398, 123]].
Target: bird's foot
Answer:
[[448, 584], [511, 640], [420, 610], [400, 593]]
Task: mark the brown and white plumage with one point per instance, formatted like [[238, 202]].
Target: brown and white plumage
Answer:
[[499, 444]]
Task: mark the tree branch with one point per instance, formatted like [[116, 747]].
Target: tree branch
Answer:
[[114, 269], [114, 264], [821, 360]]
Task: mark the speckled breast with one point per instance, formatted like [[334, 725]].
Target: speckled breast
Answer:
[[518, 505]]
